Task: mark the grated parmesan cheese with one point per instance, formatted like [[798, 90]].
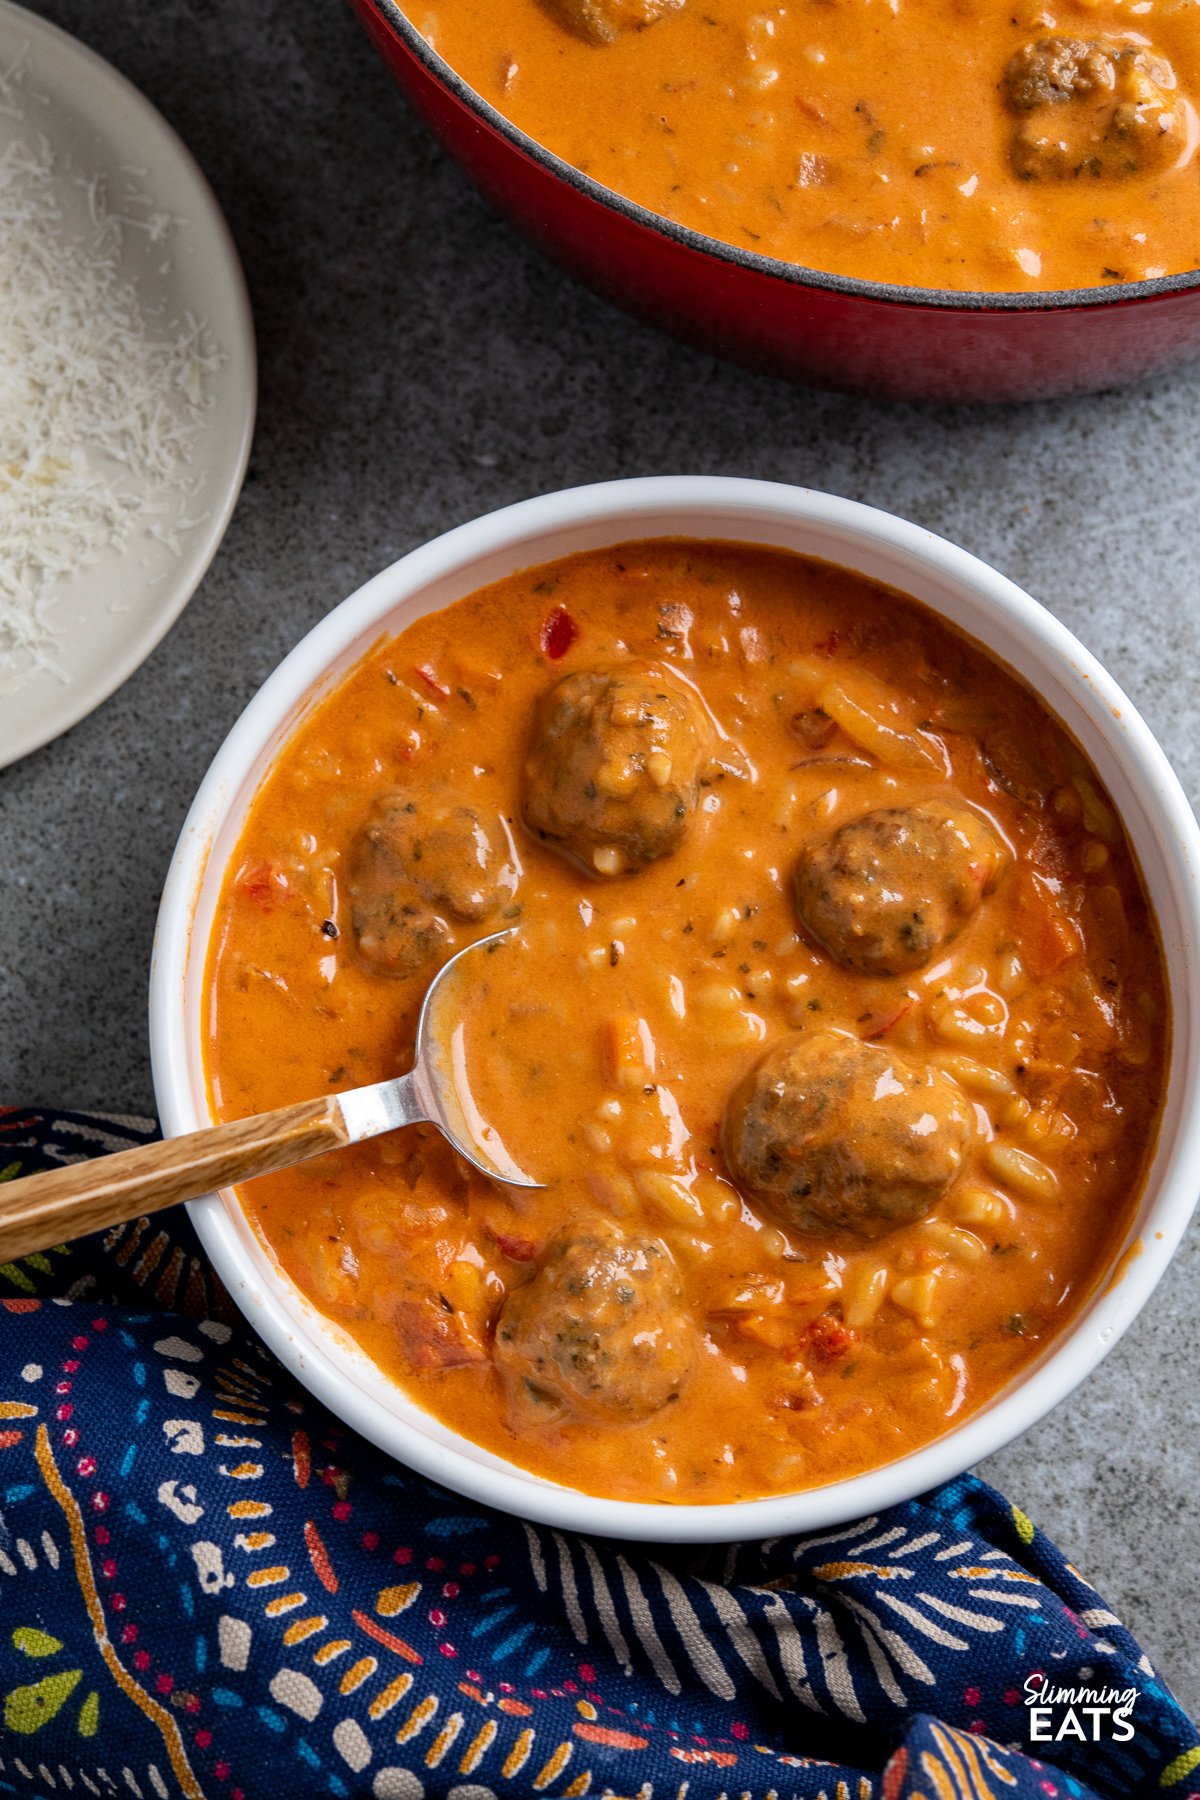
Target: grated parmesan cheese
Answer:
[[100, 405]]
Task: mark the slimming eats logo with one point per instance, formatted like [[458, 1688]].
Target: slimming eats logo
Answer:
[[1087, 1714]]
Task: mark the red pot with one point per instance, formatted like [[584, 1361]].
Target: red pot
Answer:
[[827, 330]]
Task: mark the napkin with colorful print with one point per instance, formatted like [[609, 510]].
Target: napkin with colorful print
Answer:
[[208, 1587]]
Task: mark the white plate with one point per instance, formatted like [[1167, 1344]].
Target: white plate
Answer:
[[112, 614]]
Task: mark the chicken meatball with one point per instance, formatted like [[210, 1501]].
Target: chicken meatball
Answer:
[[1098, 107], [420, 861], [883, 893], [603, 21], [600, 1330], [613, 771], [833, 1133]]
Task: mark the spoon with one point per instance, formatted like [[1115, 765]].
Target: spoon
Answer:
[[42, 1210]]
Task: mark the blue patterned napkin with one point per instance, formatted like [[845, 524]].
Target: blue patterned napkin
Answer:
[[209, 1587]]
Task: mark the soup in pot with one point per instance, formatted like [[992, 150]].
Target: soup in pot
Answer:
[[945, 144]]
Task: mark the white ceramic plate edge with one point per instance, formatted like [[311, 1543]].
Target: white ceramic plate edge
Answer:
[[74, 702]]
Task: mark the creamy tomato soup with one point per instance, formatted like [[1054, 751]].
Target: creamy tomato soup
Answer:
[[832, 1017], [934, 143]]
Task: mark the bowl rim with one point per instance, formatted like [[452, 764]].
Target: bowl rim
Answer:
[[764, 512], [1048, 300]]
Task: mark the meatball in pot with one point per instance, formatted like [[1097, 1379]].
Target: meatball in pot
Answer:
[[1103, 109], [601, 1330], [885, 892], [612, 775], [603, 21], [835, 1134]]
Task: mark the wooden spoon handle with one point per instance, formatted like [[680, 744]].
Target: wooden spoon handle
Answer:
[[80, 1197]]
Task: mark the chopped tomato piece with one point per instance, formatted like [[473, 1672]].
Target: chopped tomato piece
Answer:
[[559, 632], [266, 885], [811, 110], [829, 1338], [424, 673], [517, 1249]]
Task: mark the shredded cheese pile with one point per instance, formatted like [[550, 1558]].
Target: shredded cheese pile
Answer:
[[99, 405]]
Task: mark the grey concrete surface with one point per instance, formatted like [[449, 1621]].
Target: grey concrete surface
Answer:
[[421, 365]]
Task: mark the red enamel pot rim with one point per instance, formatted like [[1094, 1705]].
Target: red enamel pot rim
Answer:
[[886, 293]]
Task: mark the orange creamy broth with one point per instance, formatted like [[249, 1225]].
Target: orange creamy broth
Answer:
[[605, 1038], [870, 138]]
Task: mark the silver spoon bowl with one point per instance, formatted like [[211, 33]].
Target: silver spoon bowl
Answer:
[[435, 1090]]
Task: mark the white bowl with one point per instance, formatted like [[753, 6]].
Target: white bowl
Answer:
[[1074, 686]]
